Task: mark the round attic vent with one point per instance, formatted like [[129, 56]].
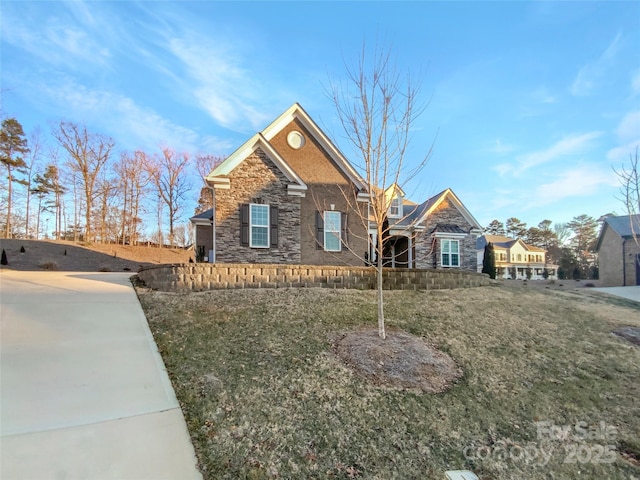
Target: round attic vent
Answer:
[[295, 140]]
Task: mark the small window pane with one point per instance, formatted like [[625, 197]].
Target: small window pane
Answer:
[[332, 243], [260, 215], [455, 260], [259, 236]]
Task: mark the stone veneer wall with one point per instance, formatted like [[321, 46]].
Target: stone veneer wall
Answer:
[[429, 257], [257, 180], [199, 277]]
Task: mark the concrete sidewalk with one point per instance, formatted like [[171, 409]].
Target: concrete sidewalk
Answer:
[[84, 393]]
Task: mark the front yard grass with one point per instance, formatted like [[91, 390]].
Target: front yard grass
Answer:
[[547, 392]]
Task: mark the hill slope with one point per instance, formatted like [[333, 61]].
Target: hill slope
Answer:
[[69, 256]]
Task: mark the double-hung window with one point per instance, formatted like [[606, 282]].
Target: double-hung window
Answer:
[[450, 253], [259, 226], [395, 209], [332, 229]]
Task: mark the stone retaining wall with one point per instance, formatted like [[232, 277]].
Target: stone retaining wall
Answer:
[[199, 277]]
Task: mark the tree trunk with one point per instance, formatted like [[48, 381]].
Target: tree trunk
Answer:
[[8, 224], [381, 330], [38, 218], [26, 228]]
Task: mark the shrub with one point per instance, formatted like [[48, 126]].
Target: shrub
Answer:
[[49, 266], [489, 261]]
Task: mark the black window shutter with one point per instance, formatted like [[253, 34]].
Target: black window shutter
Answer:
[[345, 229], [319, 230], [273, 219], [244, 224]]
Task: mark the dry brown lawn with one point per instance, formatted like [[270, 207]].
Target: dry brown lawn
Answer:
[[69, 256], [547, 390]]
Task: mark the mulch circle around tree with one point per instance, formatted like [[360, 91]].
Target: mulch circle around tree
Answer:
[[401, 361], [632, 334]]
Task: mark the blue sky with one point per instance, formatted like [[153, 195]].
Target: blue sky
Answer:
[[530, 104]]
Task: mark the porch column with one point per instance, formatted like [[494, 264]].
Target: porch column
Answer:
[[410, 248], [372, 249], [212, 255]]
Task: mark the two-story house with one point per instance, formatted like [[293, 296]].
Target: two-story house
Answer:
[[515, 259]]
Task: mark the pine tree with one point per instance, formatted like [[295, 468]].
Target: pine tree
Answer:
[[489, 261], [13, 145]]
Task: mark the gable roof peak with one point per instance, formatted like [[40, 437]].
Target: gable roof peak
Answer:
[[432, 203], [263, 138], [296, 112]]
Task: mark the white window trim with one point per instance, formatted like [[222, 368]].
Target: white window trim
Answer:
[[397, 202], [442, 252], [332, 232], [251, 225]]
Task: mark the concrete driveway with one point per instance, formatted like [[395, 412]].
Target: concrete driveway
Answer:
[[630, 293], [84, 392]]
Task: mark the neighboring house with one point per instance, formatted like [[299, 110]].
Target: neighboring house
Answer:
[[286, 196], [515, 259], [618, 250], [438, 233], [289, 196]]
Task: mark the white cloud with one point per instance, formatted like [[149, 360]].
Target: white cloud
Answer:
[[590, 74], [224, 87], [580, 181], [569, 145], [134, 126], [57, 42], [628, 133], [629, 127]]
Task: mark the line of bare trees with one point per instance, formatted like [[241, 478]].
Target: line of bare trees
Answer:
[[92, 193]]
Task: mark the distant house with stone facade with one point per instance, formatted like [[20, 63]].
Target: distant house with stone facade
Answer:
[[288, 195], [516, 259], [618, 250]]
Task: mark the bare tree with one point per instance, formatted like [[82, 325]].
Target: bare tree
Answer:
[[89, 152], [133, 178], [562, 233], [106, 193], [205, 163], [629, 178], [377, 107], [31, 161], [168, 174]]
